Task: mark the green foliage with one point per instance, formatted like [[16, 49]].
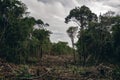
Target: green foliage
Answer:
[[98, 41], [41, 34], [14, 30], [116, 73], [82, 16], [32, 60], [61, 48], [18, 39], [24, 72], [95, 44], [44, 44], [116, 39]]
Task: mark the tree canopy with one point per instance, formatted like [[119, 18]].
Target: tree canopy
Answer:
[[98, 38]]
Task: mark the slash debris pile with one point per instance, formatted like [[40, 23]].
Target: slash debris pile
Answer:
[[53, 68]]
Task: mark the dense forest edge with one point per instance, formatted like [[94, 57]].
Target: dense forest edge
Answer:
[[26, 52]]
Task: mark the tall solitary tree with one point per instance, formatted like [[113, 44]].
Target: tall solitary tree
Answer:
[[83, 16], [71, 33]]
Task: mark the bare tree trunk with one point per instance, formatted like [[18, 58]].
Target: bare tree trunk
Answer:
[[83, 56], [41, 52], [74, 56]]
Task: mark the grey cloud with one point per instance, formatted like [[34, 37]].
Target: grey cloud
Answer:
[[114, 4], [54, 12], [111, 3], [66, 3]]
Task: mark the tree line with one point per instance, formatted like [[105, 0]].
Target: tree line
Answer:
[[98, 36], [20, 41]]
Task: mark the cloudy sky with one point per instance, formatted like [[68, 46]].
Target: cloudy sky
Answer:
[[54, 12]]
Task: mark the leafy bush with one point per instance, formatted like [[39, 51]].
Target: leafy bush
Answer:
[[32, 60], [116, 74], [24, 72]]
